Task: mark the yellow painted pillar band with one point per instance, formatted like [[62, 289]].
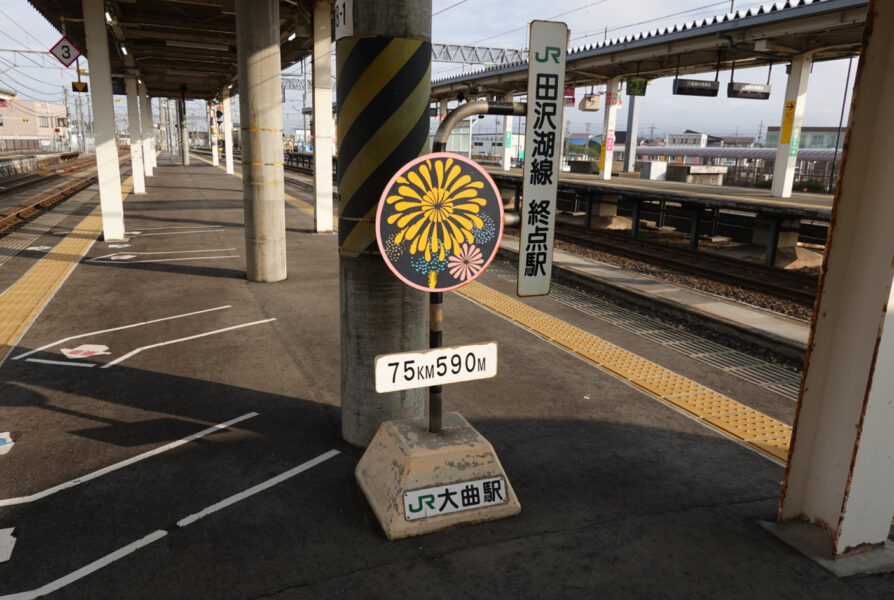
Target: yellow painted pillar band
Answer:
[[381, 127]]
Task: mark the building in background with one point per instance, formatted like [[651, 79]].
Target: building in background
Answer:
[[33, 126], [811, 137]]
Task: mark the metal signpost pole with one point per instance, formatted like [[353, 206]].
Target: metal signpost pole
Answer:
[[435, 340]]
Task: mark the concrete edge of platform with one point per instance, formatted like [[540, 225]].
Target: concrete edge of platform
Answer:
[[668, 308]]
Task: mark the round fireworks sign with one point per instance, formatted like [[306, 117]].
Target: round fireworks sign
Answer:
[[440, 222]]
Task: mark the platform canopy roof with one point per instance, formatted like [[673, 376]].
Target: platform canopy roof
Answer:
[[772, 32], [179, 45]]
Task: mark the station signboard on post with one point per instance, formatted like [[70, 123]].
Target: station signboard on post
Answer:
[[543, 155]]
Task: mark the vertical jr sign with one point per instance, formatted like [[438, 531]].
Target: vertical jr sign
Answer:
[[543, 155]]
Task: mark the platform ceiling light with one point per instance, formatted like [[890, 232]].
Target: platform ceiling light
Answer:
[[197, 45], [123, 50], [293, 36], [109, 18]]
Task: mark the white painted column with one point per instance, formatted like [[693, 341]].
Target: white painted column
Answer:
[[610, 106], [790, 132], [632, 133], [136, 138], [323, 125], [148, 130], [212, 113], [173, 147], [260, 131], [841, 464], [184, 132], [228, 132], [108, 173], [507, 135], [163, 124]]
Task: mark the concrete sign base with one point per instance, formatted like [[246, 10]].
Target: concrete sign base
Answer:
[[418, 482]]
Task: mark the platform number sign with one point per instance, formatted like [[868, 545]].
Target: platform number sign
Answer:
[[65, 52], [343, 17], [543, 155]]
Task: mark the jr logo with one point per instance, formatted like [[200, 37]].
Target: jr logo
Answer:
[[549, 52], [428, 500]]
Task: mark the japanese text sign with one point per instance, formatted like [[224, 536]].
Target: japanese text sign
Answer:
[[439, 222], [446, 499], [543, 155]]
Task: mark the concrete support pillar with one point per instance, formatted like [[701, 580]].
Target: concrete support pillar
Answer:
[[163, 124], [323, 125], [507, 135], [387, 56], [148, 130], [184, 132], [632, 133], [108, 173], [173, 144], [790, 133], [840, 476], [612, 99], [228, 132], [212, 133], [136, 137], [260, 111]]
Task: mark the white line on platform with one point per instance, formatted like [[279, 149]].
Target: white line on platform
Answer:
[[158, 534], [256, 489], [60, 362], [96, 565], [185, 339], [155, 260], [83, 335], [7, 543], [124, 463], [98, 258], [142, 235], [180, 227]]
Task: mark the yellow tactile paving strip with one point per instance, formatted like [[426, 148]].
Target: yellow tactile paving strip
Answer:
[[22, 301], [757, 430]]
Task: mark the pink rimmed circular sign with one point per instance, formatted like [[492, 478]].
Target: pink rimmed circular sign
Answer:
[[440, 222]]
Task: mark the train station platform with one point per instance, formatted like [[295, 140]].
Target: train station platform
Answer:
[[175, 429]]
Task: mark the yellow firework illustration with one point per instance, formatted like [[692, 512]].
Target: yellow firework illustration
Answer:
[[436, 208]]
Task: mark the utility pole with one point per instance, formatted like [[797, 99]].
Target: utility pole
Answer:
[[588, 140], [67, 116], [379, 313], [303, 104]]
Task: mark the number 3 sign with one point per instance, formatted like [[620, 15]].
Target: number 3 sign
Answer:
[[65, 51]]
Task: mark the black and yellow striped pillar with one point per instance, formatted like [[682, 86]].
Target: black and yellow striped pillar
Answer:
[[383, 78]]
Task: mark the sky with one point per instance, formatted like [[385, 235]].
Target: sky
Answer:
[[488, 23]]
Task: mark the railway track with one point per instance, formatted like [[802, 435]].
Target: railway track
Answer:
[[15, 209], [790, 285]]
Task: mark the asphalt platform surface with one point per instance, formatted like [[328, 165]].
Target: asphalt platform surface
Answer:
[[622, 496]]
